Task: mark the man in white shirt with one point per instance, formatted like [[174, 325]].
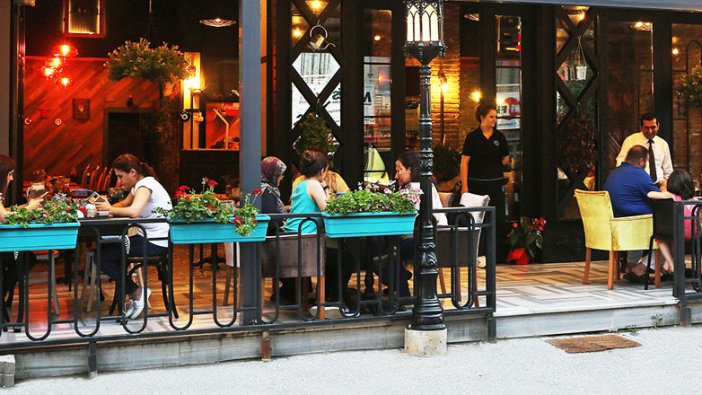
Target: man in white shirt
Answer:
[[659, 164]]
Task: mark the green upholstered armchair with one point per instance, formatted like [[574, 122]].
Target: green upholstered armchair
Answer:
[[605, 232]]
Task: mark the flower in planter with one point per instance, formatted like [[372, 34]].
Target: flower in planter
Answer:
[[193, 207], [375, 198], [245, 216], [527, 234], [56, 210]]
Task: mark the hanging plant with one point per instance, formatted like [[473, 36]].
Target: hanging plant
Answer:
[[689, 89], [139, 60]]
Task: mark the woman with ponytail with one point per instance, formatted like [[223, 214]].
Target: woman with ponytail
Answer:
[[145, 196]]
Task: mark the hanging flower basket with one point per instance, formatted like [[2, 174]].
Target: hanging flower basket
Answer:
[[139, 60]]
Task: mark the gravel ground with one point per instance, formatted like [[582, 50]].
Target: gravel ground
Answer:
[[668, 361]]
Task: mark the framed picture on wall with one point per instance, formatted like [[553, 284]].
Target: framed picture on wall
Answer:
[[81, 109]]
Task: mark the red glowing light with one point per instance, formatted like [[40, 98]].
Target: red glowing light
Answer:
[[64, 50]]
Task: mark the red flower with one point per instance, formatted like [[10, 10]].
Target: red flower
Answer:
[[255, 220], [238, 221], [258, 191], [211, 207], [179, 194], [514, 225], [212, 183], [183, 188], [187, 197]]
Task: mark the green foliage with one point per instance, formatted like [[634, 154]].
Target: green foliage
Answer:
[[527, 234], [193, 207], [447, 162], [372, 199], [138, 60], [56, 210], [314, 134], [245, 216], [690, 87]]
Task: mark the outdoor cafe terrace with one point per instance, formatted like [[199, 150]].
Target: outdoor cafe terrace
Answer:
[[210, 298]]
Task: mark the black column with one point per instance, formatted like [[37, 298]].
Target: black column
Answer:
[[250, 150]]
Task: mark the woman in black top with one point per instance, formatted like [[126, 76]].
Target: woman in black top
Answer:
[[485, 152]]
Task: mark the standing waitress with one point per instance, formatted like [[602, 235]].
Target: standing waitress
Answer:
[[485, 152]]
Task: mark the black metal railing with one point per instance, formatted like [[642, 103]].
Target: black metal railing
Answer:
[[308, 262], [687, 283]]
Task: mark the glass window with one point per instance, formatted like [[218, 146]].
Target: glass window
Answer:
[[508, 78], [687, 113]]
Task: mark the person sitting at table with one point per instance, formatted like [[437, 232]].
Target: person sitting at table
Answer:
[[146, 195], [407, 175], [681, 186], [272, 170], [333, 180], [308, 196], [7, 173]]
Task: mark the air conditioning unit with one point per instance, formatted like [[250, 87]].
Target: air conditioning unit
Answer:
[[30, 3]]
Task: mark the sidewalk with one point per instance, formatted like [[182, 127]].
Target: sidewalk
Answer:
[[667, 362]]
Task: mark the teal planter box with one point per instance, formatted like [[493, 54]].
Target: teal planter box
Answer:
[[39, 237], [368, 224], [213, 232]]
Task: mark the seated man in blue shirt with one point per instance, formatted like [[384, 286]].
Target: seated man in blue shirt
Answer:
[[630, 188]]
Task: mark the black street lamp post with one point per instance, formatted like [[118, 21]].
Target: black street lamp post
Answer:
[[425, 42]]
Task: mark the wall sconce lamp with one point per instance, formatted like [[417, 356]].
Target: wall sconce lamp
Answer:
[[65, 51]]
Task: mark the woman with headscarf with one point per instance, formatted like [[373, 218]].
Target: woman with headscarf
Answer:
[[272, 170]]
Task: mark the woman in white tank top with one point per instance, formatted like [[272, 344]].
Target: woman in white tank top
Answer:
[[146, 195]]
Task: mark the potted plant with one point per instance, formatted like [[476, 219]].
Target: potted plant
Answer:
[[161, 64], [53, 227], [202, 218], [689, 90], [525, 238], [371, 211], [314, 134]]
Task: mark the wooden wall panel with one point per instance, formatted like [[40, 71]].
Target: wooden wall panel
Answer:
[[68, 147]]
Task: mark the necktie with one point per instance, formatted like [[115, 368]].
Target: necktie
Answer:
[[652, 162]]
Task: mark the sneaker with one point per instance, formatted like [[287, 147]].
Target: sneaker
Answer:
[[481, 262], [138, 305]]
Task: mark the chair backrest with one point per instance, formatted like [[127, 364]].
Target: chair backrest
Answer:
[[596, 213], [84, 176], [289, 255], [663, 214], [95, 178], [104, 181], [445, 238]]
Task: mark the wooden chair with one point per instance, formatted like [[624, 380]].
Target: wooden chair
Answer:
[[605, 232], [103, 175], [93, 178], [105, 182], [84, 176]]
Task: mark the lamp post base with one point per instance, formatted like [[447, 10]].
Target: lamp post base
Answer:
[[425, 343]]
